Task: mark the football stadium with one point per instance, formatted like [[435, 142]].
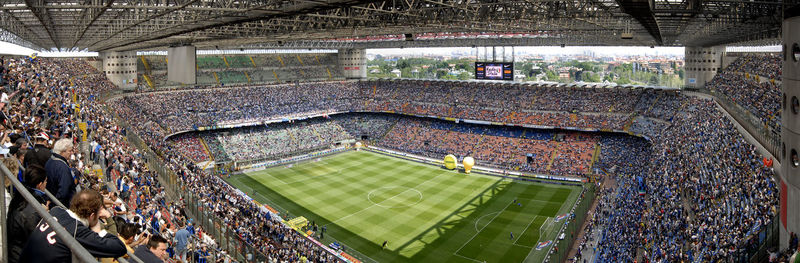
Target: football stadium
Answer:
[[400, 131]]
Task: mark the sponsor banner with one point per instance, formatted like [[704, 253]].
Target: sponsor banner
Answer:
[[542, 245], [326, 248], [561, 217], [271, 209], [478, 122], [351, 258]]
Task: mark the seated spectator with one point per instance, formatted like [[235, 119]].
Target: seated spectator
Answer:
[[82, 219], [154, 252], [22, 217], [129, 233]]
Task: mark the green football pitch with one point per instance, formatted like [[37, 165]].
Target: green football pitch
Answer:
[[425, 213]]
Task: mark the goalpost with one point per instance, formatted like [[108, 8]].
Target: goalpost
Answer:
[[548, 223]]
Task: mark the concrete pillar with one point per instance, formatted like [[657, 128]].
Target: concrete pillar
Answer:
[[701, 64], [120, 68], [789, 184], [182, 64], [353, 63]]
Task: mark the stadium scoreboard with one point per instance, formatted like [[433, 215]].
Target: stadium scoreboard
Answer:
[[494, 70]]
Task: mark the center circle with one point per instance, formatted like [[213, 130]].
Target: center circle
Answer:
[[394, 196]]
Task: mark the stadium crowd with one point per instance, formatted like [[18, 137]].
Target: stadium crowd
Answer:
[[500, 147], [279, 139], [533, 105], [706, 211], [765, 65], [761, 99]]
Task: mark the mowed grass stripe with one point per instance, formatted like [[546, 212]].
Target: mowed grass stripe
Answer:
[[430, 229]]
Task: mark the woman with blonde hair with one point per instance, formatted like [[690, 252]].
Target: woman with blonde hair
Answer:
[[13, 166]]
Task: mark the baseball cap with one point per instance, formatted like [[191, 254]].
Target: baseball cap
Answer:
[[42, 135]]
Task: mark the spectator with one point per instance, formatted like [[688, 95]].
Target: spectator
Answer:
[[129, 233], [61, 181], [19, 154], [40, 153], [83, 220], [154, 252], [181, 240]]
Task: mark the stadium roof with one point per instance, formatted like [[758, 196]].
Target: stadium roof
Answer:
[[120, 25]]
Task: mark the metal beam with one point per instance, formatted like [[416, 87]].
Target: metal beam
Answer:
[[96, 16], [45, 21]]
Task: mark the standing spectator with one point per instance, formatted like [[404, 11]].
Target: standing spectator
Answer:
[[60, 177], [181, 240], [154, 252], [83, 221]]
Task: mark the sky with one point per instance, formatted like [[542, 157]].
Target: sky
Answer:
[[12, 49]]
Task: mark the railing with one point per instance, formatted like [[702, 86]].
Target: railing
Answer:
[[754, 248]]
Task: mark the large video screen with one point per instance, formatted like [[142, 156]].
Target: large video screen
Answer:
[[494, 70]]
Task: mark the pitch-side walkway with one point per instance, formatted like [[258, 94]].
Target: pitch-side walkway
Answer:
[[609, 184]]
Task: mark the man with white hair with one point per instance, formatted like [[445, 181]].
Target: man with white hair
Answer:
[[61, 181]]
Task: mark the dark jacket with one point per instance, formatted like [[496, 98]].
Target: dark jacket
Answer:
[[39, 155], [60, 179], [147, 256], [22, 220], [45, 246]]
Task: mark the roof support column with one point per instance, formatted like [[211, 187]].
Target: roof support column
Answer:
[[701, 64], [353, 63], [789, 171], [182, 64], [120, 68]]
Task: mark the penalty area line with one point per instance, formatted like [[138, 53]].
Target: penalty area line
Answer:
[[526, 229], [484, 227], [468, 258]]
